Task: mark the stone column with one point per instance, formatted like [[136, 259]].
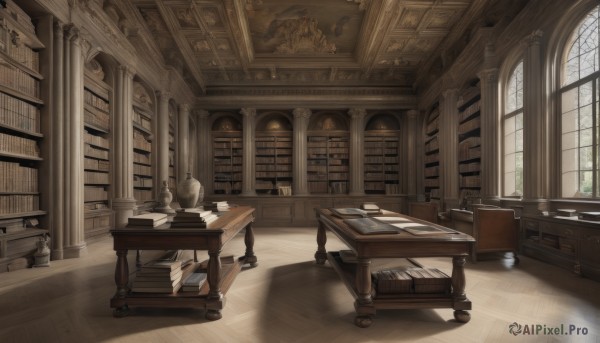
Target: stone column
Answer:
[[411, 168], [204, 151], [535, 173], [357, 151], [124, 201], [448, 142], [73, 179], [57, 196], [183, 142], [248, 158], [490, 122], [163, 137], [301, 116]]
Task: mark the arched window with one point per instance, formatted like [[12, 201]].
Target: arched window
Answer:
[[580, 110], [512, 123]]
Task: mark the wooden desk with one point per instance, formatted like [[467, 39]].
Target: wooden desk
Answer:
[[212, 239], [357, 277]]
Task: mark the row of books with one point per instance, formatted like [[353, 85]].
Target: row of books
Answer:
[[90, 151], [271, 151], [99, 119], [195, 217], [392, 188], [318, 187], [432, 126], [142, 182], [431, 182], [19, 114], [19, 80], [432, 171], [270, 144], [380, 151], [18, 203], [95, 101], [143, 195], [470, 181], [95, 194], [95, 177], [374, 186], [25, 55], [17, 178], [142, 169], [18, 145], [93, 164], [281, 174], [227, 187], [470, 125], [95, 140], [432, 145], [143, 158], [273, 167], [411, 280], [226, 168], [140, 142], [472, 109], [469, 167], [142, 120], [227, 153], [433, 158], [382, 159], [382, 144]]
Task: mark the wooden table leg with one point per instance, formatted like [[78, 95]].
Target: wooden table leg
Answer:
[[461, 303], [121, 279], [364, 302], [321, 254], [249, 240], [215, 296]]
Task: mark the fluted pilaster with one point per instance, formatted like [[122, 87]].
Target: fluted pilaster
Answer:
[[489, 133], [357, 137], [183, 142], [249, 115], [448, 142], [204, 152], [163, 137], [411, 169], [301, 116]]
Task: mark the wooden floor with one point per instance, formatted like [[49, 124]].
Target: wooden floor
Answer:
[[288, 298]]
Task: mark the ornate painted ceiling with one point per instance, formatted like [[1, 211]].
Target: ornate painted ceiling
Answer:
[[310, 42]]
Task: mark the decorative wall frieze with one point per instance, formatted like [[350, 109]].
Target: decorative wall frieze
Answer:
[[302, 113], [275, 91]]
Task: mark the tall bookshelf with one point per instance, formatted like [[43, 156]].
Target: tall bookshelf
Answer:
[[469, 143], [381, 159], [227, 156], [20, 139], [143, 182], [328, 163], [273, 153], [432, 154], [172, 171], [96, 137]]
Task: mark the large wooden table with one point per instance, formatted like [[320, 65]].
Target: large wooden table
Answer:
[[357, 277], [219, 277]]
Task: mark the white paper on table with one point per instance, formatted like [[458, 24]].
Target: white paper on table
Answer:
[[409, 224], [391, 219]]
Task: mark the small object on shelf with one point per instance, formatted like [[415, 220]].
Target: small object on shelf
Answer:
[[564, 212], [188, 192], [42, 255], [429, 280]]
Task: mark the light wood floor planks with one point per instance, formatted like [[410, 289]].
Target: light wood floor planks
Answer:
[[288, 298]]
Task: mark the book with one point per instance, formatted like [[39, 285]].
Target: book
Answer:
[[565, 212], [162, 264], [141, 283], [425, 230], [370, 208], [194, 281], [165, 289], [593, 216], [150, 219], [191, 213], [145, 275], [189, 225], [346, 212], [370, 226], [206, 219]]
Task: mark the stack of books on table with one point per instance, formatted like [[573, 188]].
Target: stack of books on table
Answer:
[[147, 220], [158, 276], [593, 216], [192, 218], [216, 206], [194, 281]]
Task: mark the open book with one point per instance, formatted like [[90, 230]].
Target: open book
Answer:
[[371, 226], [421, 229], [349, 212]]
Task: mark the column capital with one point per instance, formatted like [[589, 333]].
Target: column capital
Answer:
[[202, 114], [412, 114], [127, 71], [357, 113], [185, 108], [248, 112], [71, 31], [449, 93], [59, 29], [488, 75], [163, 95], [302, 112], [534, 38]]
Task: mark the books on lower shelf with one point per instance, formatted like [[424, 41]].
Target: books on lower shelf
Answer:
[[148, 219], [162, 276], [412, 280], [194, 281]]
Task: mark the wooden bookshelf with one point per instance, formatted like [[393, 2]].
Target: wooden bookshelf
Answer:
[[227, 164], [143, 181], [381, 163], [328, 163], [20, 138], [97, 154], [432, 154], [273, 162], [469, 143], [172, 155]]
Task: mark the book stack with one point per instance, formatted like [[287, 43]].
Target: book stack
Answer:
[[566, 212], [429, 280], [194, 281], [147, 220], [192, 218], [393, 281], [158, 276], [593, 216], [216, 206]]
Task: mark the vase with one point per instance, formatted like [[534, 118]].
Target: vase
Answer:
[[188, 192], [42, 255], [164, 199]]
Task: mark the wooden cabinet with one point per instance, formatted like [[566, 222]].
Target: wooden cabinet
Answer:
[[469, 143], [328, 163], [227, 165], [20, 138], [569, 243], [432, 153]]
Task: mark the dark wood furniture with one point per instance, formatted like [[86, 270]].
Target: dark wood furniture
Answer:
[[570, 243], [211, 296], [401, 245], [427, 211], [494, 229]]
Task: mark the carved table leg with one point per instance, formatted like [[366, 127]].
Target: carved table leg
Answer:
[[121, 280], [461, 303], [249, 240], [214, 283], [364, 303], [321, 254]]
